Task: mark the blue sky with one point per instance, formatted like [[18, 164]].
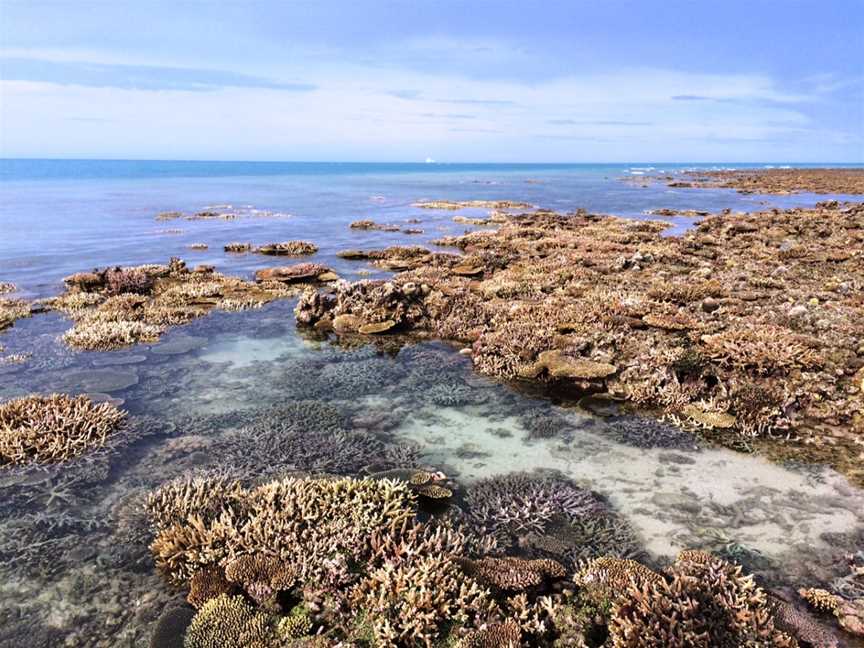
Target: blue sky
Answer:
[[600, 80]]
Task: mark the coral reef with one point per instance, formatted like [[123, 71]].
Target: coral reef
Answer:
[[512, 505], [11, 310], [706, 603], [347, 559], [372, 225], [773, 181], [119, 307], [407, 602], [643, 432], [46, 429], [746, 327], [287, 248]]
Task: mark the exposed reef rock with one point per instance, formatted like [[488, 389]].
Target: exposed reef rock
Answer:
[[287, 248], [11, 310], [475, 204], [297, 273], [372, 225], [774, 181], [747, 327], [119, 307], [47, 429]]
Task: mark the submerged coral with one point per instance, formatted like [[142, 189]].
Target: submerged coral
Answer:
[[45, 429], [549, 517]]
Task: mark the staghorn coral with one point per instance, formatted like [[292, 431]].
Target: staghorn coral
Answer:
[[46, 429], [308, 435], [318, 526], [204, 495], [510, 505], [642, 432], [408, 603], [706, 603], [95, 335]]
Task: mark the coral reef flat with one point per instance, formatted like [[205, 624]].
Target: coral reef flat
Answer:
[[529, 424], [772, 181]]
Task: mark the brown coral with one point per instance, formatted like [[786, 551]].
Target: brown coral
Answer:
[[288, 248], [707, 603], [261, 576], [208, 583], [498, 635], [45, 429], [513, 574]]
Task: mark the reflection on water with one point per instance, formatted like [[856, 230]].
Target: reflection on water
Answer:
[[243, 392]]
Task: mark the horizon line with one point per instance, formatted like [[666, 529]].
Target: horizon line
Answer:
[[420, 163]]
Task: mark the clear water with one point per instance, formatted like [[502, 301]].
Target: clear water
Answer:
[[73, 556]]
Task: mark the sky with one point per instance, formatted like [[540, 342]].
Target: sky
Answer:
[[455, 81]]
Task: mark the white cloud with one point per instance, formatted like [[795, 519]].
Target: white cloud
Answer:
[[354, 114]]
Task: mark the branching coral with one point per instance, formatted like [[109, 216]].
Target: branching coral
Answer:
[[45, 429], [408, 602], [261, 576], [318, 526], [511, 505], [118, 307], [707, 603]]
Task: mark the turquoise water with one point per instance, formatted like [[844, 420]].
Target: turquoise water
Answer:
[[74, 565]]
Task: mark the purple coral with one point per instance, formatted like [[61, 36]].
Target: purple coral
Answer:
[[519, 503]]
